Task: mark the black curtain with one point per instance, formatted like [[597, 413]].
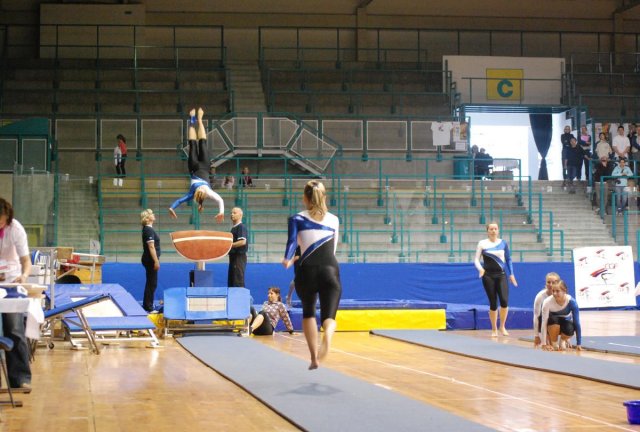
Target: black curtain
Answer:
[[541, 126]]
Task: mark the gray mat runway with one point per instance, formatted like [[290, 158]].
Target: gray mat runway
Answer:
[[626, 345], [622, 374], [319, 400]]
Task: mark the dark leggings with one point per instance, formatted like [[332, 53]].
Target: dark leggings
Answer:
[[150, 286], [313, 281], [199, 158], [566, 326], [265, 329], [120, 170], [495, 285]]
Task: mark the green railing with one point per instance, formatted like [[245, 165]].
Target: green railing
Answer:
[[387, 205], [425, 45], [132, 51]]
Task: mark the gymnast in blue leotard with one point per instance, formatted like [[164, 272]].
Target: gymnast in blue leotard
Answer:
[[496, 262], [560, 317], [315, 231], [199, 163]]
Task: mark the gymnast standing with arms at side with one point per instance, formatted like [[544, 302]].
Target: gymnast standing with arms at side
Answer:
[[496, 262], [315, 230], [199, 163]]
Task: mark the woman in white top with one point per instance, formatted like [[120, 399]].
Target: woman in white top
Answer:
[[496, 261], [315, 230]]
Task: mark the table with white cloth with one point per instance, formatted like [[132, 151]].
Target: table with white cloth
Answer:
[[33, 309]]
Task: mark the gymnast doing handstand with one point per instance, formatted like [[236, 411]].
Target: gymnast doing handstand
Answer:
[[199, 163]]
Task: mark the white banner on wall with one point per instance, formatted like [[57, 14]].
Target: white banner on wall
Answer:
[[507, 80], [604, 276]]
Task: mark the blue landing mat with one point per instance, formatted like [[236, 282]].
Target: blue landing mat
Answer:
[[613, 344], [319, 400], [622, 374]]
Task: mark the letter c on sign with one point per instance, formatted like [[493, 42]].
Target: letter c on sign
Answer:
[[505, 88]]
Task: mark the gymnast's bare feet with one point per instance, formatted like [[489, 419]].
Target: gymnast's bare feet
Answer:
[[504, 331], [314, 364], [324, 349], [200, 113], [172, 214], [494, 333]]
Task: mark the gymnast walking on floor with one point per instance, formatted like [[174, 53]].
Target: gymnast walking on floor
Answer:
[[199, 163], [315, 230], [496, 262]]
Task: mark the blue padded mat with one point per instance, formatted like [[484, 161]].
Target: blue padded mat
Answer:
[[134, 316], [115, 323], [383, 304], [628, 345], [623, 374], [64, 293], [319, 400], [237, 302], [613, 344]]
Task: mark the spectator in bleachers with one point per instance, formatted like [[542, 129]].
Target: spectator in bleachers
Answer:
[[634, 152], [265, 322], [575, 157], [229, 181], [585, 143], [119, 159], [622, 172], [199, 163], [483, 162], [621, 144], [566, 143], [603, 147], [560, 318], [601, 171], [245, 178]]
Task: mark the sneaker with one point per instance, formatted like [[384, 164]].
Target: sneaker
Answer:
[[25, 385], [115, 182]]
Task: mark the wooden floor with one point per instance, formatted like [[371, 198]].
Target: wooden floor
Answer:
[[132, 388]]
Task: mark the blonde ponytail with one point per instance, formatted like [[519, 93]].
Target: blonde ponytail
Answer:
[[316, 196]]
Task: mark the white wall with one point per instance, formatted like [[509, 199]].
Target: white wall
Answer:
[[506, 135]]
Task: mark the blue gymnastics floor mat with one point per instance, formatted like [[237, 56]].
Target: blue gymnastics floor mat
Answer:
[[626, 345], [622, 374], [319, 400]]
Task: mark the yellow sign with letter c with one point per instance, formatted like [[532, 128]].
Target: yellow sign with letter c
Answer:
[[505, 84]]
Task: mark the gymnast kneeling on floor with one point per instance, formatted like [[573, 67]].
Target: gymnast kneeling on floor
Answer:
[[560, 320], [264, 322]]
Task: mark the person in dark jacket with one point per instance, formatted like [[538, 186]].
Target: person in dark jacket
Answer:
[[575, 157]]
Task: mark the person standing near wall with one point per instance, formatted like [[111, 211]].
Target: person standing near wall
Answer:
[[14, 254], [120, 165], [150, 257], [566, 143], [496, 263], [239, 248]]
